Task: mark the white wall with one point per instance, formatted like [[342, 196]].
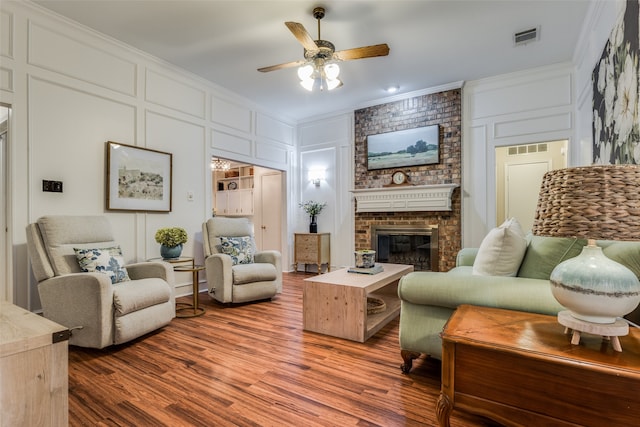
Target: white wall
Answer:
[[327, 144], [532, 106], [72, 90], [520, 108]]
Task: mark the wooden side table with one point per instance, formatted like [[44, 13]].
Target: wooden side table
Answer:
[[190, 310], [312, 248], [521, 369]]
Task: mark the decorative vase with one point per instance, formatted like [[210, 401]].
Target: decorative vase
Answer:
[[595, 288], [170, 252], [365, 258], [313, 227]]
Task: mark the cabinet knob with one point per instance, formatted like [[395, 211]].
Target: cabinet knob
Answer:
[[264, 227]]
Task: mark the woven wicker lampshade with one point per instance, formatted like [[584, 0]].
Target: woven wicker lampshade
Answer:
[[591, 202]]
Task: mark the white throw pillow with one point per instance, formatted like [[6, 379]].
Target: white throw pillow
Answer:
[[501, 251]]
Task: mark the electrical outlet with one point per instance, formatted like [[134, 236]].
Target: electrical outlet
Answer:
[[52, 186]]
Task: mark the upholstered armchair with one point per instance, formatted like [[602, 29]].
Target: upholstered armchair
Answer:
[[236, 272], [112, 303]]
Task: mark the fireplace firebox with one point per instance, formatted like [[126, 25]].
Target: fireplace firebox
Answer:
[[413, 245]]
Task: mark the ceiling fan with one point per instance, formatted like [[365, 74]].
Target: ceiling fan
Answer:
[[319, 68]]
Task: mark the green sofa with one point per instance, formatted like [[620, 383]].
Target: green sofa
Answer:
[[429, 298]]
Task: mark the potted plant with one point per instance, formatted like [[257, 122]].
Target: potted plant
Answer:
[[171, 240], [312, 209]]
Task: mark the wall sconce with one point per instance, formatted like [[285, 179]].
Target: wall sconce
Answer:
[[316, 175]]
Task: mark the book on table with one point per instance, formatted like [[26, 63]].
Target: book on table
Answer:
[[377, 268]]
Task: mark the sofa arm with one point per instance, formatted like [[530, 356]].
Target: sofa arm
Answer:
[[466, 257], [151, 270], [451, 290], [80, 299], [275, 258], [219, 277]]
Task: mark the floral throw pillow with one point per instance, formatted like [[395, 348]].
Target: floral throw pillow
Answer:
[[240, 249], [108, 261]]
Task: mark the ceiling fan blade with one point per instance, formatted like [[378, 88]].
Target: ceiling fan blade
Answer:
[[302, 35], [281, 66], [362, 52]]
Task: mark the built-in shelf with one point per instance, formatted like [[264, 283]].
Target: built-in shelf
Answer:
[[409, 198]]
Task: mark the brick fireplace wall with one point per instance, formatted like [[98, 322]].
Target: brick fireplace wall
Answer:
[[443, 109]]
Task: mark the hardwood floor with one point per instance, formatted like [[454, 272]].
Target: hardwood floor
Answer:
[[252, 365]]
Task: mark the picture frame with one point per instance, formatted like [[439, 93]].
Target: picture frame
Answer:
[[404, 148], [138, 179]]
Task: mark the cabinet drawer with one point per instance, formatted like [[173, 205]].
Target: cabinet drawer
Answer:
[[307, 249]]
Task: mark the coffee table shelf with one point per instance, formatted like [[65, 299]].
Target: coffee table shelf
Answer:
[[336, 303]]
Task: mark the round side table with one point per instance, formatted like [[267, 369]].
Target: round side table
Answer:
[[174, 261], [185, 309]]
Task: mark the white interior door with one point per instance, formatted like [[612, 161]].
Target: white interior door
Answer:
[[271, 208], [522, 188]]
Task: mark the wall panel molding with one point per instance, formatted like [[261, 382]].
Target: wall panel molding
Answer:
[[175, 94], [274, 129], [231, 114], [271, 153], [328, 131], [532, 125], [6, 79], [60, 53], [6, 34], [231, 143]]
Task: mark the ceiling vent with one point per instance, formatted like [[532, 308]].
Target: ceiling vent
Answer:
[[526, 36]]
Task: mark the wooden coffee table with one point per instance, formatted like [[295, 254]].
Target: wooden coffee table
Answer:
[[336, 303], [520, 369]]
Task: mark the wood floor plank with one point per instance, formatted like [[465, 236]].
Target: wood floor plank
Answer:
[[252, 365]]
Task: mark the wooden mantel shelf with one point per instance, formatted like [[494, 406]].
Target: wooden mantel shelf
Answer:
[[409, 198]]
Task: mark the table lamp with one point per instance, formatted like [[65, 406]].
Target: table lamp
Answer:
[[592, 202]]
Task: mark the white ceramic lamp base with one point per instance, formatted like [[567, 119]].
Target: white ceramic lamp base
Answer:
[[595, 288]]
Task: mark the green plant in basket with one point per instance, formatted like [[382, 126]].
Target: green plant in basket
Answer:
[[171, 236]]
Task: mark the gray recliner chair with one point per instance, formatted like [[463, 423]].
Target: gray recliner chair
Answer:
[[107, 313], [239, 282]]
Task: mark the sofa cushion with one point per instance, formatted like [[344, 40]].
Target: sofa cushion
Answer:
[[61, 234], [626, 253], [501, 251], [107, 261], [138, 294], [240, 249], [544, 253], [257, 272]]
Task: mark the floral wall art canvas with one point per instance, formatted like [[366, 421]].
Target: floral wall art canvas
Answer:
[[616, 93]]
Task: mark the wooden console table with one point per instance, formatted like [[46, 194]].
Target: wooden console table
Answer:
[[520, 369]]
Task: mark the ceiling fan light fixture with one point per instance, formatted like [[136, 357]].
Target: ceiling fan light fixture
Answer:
[[305, 72], [319, 76], [332, 71]]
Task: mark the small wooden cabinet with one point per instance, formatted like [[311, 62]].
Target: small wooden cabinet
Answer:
[[33, 368], [312, 248]]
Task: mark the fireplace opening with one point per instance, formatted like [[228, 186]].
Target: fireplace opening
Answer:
[[413, 245]]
